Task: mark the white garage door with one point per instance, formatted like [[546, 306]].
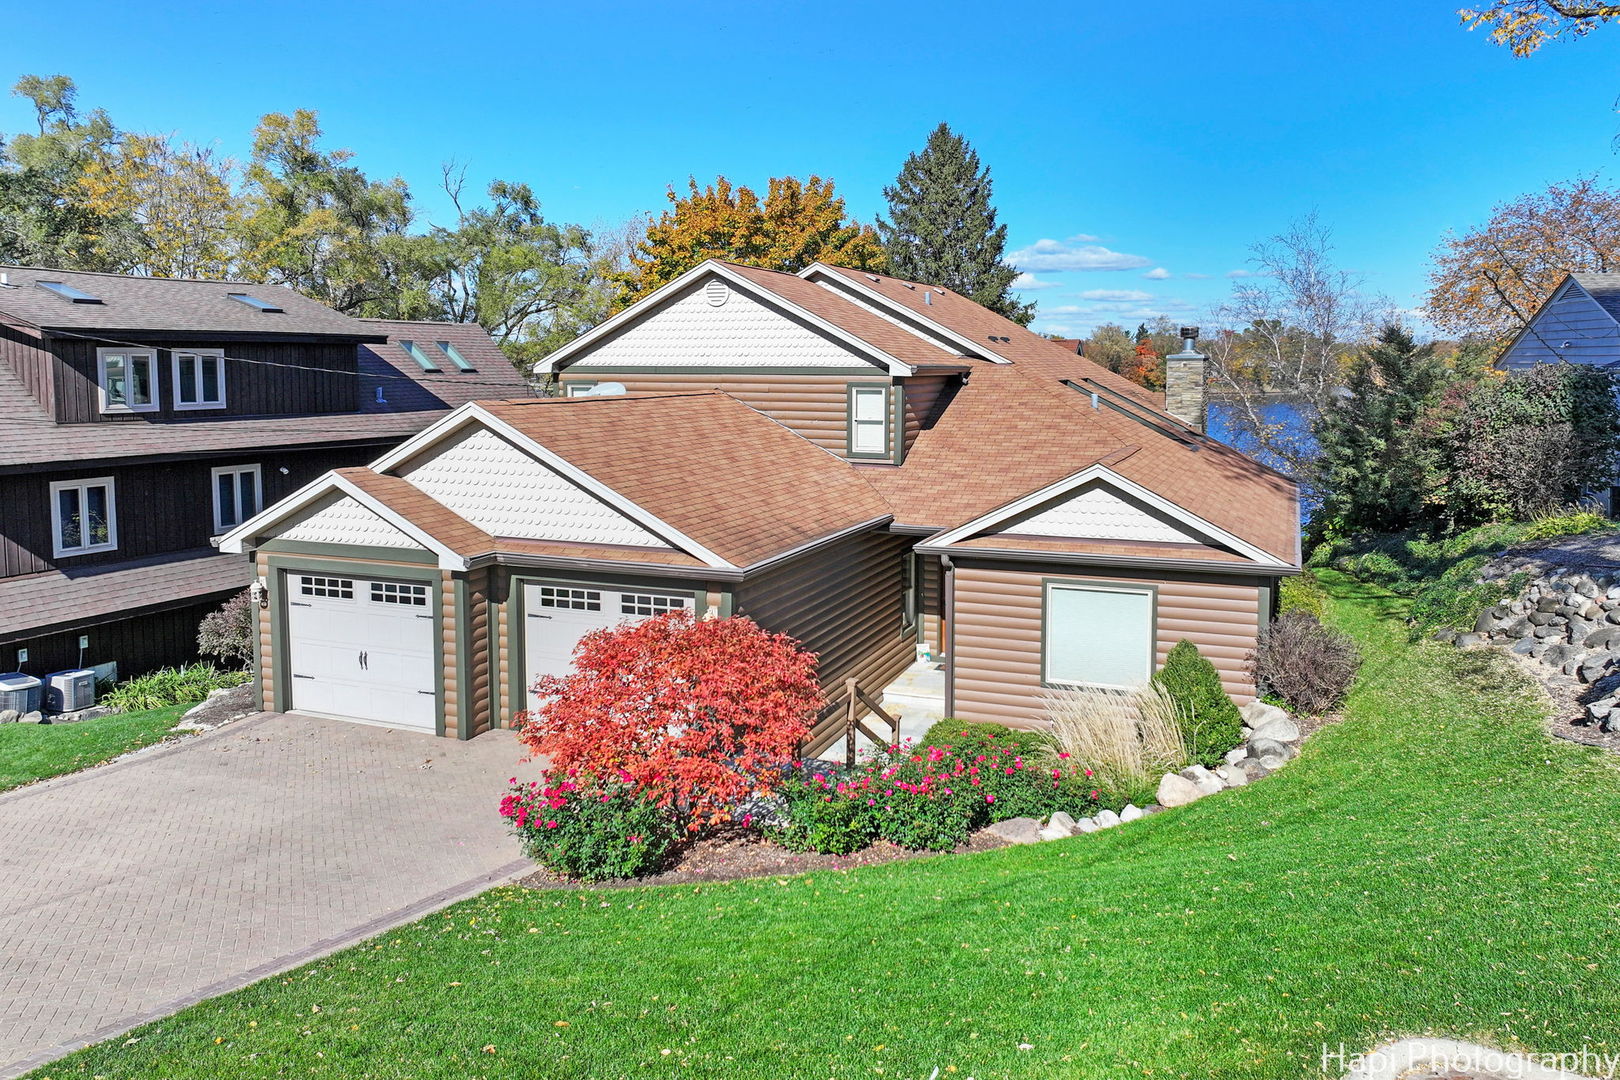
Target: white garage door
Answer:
[[362, 650], [555, 617]]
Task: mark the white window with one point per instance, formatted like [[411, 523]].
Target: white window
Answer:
[[83, 517], [236, 495], [869, 421], [1097, 635], [127, 380], [330, 587], [578, 389], [199, 379], [388, 592], [644, 604]]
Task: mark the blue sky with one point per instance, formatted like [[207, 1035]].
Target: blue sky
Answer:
[[1153, 143]]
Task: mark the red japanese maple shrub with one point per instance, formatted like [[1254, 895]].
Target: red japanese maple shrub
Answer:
[[698, 715]]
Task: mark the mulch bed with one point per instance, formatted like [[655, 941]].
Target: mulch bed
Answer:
[[736, 854]]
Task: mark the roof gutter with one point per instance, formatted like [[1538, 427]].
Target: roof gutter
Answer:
[[1070, 558]]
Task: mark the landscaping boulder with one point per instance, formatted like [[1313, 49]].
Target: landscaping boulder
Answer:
[[1272, 762], [1557, 654], [1546, 604], [1177, 790], [1606, 638], [1469, 641], [1233, 775], [1259, 713], [1055, 832], [1600, 710], [1486, 621], [1595, 667], [35, 717], [1085, 825], [1061, 820], [1106, 819], [1233, 756], [1018, 830], [1524, 645], [1283, 730], [1260, 749], [1446, 635], [9, 716], [1131, 812], [1208, 781], [1519, 627]]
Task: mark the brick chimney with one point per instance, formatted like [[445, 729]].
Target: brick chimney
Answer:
[[1186, 381]]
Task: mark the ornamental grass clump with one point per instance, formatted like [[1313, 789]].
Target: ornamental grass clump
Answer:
[[589, 829], [1127, 739]]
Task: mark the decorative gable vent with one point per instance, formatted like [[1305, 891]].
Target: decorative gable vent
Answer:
[[716, 293]]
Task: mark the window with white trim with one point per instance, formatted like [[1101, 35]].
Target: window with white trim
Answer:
[[236, 495], [332, 588], [650, 604], [84, 519], [578, 389], [1097, 635], [391, 592], [126, 380], [869, 421], [574, 599], [199, 378]]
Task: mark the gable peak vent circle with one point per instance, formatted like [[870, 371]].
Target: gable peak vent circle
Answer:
[[716, 293]]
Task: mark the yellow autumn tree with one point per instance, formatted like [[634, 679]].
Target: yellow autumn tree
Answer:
[[179, 196], [1488, 281], [1526, 25], [796, 224]]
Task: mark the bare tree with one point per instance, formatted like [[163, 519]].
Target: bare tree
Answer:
[[1283, 341]]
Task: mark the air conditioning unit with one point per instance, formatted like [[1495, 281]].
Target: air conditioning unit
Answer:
[[20, 692], [70, 691]]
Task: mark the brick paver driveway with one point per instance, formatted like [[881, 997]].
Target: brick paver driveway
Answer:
[[131, 890]]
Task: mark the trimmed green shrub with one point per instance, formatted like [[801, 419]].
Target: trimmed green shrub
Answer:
[[985, 735], [1213, 724], [819, 817], [1302, 593], [170, 686], [1571, 522], [590, 831]]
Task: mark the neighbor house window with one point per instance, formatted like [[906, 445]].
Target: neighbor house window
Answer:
[[578, 389], [236, 496], [83, 517], [1097, 635], [869, 421], [199, 379], [127, 380]]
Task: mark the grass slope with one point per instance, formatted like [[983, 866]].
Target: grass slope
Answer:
[[30, 752], [1433, 864]]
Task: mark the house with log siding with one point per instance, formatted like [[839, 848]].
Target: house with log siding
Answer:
[[144, 416], [880, 468]]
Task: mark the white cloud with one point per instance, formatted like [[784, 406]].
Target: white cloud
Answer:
[[1115, 294], [1158, 273], [1196, 277], [1241, 274], [1075, 253], [1030, 281]]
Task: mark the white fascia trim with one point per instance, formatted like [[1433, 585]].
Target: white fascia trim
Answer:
[[904, 312], [472, 412], [1112, 478], [554, 361], [240, 539]]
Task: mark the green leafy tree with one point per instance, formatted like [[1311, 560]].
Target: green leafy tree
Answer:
[[46, 216], [315, 222], [1371, 471], [178, 197], [1211, 723], [942, 228], [532, 284], [1111, 346]]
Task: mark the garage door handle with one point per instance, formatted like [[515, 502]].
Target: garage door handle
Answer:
[[536, 615], [429, 693], [296, 676], [299, 603]]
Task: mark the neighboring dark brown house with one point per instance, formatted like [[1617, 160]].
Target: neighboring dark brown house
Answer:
[[143, 416]]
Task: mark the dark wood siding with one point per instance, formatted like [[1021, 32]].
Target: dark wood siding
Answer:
[[996, 632], [843, 602], [138, 645], [815, 406], [261, 379], [31, 361], [160, 507]]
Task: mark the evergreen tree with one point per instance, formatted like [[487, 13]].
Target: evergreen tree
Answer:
[[1372, 470], [942, 229]]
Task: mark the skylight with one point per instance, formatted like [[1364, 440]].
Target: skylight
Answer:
[[68, 292], [415, 352], [461, 362], [254, 302]]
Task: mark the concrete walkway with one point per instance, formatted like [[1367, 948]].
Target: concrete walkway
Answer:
[[130, 891]]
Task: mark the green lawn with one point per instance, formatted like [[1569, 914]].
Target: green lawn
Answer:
[[30, 752], [1435, 864]]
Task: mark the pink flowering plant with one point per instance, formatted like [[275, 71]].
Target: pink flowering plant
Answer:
[[591, 829]]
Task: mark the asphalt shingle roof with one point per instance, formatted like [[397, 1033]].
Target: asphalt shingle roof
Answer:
[[1605, 289], [82, 596]]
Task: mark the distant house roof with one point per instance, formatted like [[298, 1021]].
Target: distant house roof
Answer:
[[39, 603], [1605, 289], [89, 302], [407, 387]]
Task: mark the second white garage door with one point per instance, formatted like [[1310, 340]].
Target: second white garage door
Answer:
[[363, 650], [555, 617]]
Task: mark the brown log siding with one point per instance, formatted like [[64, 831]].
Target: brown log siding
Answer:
[[815, 406], [479, 684], [843, 602], [932, 585], [996, 631], [925, 395]]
